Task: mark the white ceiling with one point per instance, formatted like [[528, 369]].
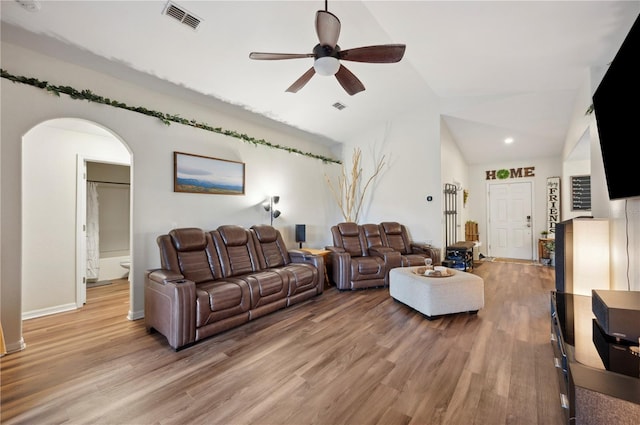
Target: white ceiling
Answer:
[[499, 68]]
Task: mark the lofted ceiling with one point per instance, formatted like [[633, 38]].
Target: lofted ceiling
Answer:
[[499, 68]]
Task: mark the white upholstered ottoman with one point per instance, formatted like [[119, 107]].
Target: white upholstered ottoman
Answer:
[[435, 296]]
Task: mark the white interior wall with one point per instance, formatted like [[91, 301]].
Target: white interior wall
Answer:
[[113, 203], [411, 146], [114, 207]]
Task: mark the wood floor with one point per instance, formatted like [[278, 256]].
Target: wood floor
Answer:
[[340, 358]]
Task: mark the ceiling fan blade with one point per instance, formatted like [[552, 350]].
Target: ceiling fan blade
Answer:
[[300, 82], [385, 53], [348, 81], [278, 56], [327, 28]]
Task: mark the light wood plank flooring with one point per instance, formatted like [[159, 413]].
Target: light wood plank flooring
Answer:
[[340, 358]]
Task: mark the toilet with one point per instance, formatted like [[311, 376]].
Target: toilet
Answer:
[[126, 265]]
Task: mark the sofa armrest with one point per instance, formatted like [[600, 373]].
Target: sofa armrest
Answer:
[[336, 249], [170, 306], [301, 256], [426, 249], [164, 276], [391, 257], [380, 251], [340, 268]]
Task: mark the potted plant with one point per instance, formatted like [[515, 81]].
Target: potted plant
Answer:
[[550, 247], [544, 234]]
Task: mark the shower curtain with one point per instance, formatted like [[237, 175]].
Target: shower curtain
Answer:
[[93, 241]]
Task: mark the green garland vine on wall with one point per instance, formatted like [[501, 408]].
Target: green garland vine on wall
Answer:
[[164, 117]]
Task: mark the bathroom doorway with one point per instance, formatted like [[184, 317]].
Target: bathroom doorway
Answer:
[[108, 225], [103, 246], [53, 193]]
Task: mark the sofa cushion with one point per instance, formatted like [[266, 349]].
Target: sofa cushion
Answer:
[[271, 249], [367, 268], [219, 300], [235, 249], [188, 239], [372, 235], [301, 276], [395, 237], [349, 233], [191, 249], [267, 287]]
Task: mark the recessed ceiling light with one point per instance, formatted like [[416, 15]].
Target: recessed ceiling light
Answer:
[[508, 140]]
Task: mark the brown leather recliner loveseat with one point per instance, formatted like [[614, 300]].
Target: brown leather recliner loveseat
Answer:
[[362, 255], [356, 264], [211, 281]]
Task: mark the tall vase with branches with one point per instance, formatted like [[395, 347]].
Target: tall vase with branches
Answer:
[[350, 189]]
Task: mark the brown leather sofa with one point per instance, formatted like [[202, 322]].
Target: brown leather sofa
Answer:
[[211, 281], [362, 255]]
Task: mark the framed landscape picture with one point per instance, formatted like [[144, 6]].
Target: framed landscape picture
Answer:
[[201, 174]]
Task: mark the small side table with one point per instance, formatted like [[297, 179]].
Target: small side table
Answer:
[[542, 251], [324, 253]]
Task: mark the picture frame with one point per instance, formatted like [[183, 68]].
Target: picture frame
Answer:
[[203, 174]]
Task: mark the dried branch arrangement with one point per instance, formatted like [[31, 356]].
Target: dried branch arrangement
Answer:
[[349, 193]]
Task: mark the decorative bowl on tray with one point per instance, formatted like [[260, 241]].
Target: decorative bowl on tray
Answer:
[[435, 272]]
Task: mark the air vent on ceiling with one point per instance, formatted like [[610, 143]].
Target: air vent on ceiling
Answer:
[[339, 106], [180, 14], [30, 5]]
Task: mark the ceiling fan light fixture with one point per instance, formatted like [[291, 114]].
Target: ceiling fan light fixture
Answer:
[[326, 66]]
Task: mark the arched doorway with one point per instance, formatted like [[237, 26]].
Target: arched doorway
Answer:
[[52, 209]]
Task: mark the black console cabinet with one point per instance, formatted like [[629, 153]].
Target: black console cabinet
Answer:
[[599, 376]]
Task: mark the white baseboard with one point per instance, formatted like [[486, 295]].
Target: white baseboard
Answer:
[[47, 311], [135, 315], [14, 347]]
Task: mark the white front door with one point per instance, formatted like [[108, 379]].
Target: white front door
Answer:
[[510, 220]]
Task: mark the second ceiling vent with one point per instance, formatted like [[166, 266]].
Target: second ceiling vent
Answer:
[[180, 14]]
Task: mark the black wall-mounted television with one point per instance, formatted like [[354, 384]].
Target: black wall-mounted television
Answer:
[[616, 103]]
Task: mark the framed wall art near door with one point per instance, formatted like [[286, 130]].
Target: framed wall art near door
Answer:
[[202, 174], [580, 193]]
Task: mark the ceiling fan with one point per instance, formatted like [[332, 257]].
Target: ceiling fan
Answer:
[[327, 55]]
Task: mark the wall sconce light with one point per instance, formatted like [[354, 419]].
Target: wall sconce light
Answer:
[[268, 206]]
